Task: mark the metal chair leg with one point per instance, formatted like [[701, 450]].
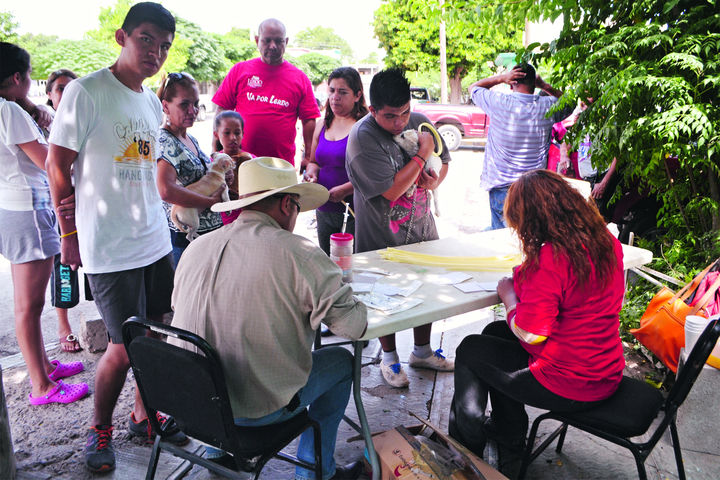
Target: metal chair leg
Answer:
[[561, 440], [678, 450], [154, 457], [527, 456], [640, 462]]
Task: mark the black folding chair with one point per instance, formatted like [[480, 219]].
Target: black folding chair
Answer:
[[630, 412], [191, 387]]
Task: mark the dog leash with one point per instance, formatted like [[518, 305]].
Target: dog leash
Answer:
[[435, 133]]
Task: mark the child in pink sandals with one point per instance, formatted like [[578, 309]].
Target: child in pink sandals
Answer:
[[62, 392]]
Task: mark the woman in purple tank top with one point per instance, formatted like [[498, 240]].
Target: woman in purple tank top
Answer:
[[345, 106]]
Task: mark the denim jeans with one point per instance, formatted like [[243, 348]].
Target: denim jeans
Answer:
[[326, 395], [497, 202], [495, 364]]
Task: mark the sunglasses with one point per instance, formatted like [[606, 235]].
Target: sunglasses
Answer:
[[175, 77], [295, 202], [178, 76]]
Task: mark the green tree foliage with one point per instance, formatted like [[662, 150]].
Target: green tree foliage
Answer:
[[315, 65], [410, 35], [80, 56], [323, 38], [237, 45], [8, 27], [110, 18], [652, 68], [194, 51], [372, 58], [205, 56], [32, 43]]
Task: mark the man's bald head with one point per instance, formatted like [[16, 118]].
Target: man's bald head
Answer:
[[271, 41], [273, 22]]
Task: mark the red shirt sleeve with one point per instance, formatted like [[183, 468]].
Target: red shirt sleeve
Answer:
[[226, 96]]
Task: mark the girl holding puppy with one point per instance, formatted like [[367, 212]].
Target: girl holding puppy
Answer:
[[228, 133], [181, 162]]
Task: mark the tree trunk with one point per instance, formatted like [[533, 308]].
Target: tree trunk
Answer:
[[715, 196], [456, 87]]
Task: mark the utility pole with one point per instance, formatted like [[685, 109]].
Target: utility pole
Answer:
[[443, 59]]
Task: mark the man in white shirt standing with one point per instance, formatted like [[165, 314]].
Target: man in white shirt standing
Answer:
[[107, 127]]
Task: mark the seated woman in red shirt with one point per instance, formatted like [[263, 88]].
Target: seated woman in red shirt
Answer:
[[560, 347]]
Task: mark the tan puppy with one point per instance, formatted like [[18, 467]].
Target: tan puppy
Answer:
[[187, 219], [408, 141]]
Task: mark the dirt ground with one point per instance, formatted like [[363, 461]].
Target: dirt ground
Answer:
[[49, 439]]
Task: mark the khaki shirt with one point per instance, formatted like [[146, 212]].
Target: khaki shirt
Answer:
[[257, 293]]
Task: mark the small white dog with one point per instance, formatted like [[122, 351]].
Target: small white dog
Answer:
[[187, 219], [408, 141]]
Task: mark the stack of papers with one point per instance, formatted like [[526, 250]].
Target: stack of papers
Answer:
[[387, 305], [367, 284]]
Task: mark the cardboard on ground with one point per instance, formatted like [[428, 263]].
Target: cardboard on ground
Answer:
[[403, 457]]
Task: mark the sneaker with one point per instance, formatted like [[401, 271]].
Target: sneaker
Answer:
[[436, 361], [167, 424], [99, 452], [394, 375]]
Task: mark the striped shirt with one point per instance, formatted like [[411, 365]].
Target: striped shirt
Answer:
[[519, 135]]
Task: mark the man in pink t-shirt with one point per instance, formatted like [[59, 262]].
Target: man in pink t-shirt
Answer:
[[271, 94]]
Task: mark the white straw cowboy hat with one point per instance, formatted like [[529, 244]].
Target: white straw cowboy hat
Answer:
[[265, 176]]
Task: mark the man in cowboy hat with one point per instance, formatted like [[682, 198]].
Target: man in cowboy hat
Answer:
[[257, 293]]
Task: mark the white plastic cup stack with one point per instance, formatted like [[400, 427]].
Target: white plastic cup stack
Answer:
[[694, 327]]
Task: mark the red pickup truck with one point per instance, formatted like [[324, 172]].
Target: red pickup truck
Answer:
[[455, 122]]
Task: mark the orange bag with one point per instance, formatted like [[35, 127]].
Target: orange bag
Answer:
[[662, 326]]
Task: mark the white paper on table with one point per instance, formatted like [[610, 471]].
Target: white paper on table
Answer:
[[374, 271], [361, 287], [409, 303], [365, 278], [385, 289], [472, 287], [407, 291], [452, 278], [387, 304]]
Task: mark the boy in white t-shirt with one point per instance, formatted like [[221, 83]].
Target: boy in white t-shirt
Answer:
[[107, 126]]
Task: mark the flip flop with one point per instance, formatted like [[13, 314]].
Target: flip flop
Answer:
[[72, 340], [63, 370], [62, 393]]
